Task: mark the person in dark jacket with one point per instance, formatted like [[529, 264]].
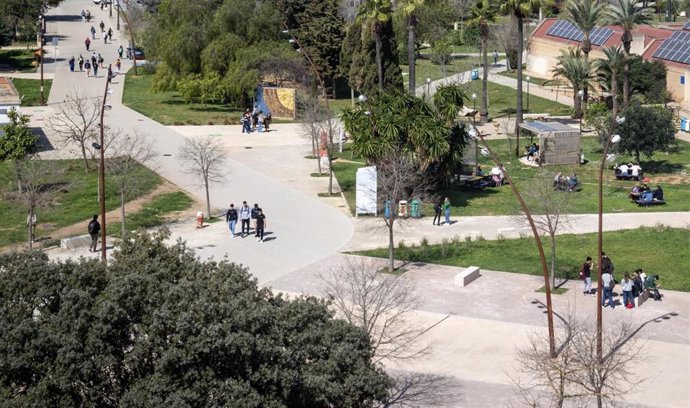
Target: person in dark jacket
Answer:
[[231, 218], [94, 229], [437, 212], [260, 225]]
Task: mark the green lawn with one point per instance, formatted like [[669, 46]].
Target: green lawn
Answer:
[[502, 101], [671, 170], [30, 90], [153, 213], [17, 60], [659, 250], [533, 79], [75, 201], [169, 108]]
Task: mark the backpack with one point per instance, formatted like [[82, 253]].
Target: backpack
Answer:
[[254, 213], [92, 227]]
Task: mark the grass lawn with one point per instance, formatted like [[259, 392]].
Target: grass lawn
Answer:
[[671, 170], [30, 90], [17, 60], [75, 201], [660, 251], [533, 79], [153, 213], [502, 101], [169, 108]]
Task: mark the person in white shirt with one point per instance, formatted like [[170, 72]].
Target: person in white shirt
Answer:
[[635, 169], [624, 169], [607, 282]]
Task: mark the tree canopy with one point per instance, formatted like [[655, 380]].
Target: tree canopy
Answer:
[[16, 138], [646, 129], [157, 327]]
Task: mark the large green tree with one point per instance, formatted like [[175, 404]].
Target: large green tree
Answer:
[[646, 129], [16, 138], [628, 15], [573, 66], [375, 15], [156, 327], [585, 15], [320, 30]]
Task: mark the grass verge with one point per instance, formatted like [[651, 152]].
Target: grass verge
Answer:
[[502, 101], [657, 250], [30, 90], [169, 108], [154, 213], [75, 201]]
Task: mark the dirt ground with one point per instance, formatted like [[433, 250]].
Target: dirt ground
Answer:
[[112, 217]]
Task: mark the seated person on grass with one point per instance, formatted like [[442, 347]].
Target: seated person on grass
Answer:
[[647, 196], [658, 193], [635, 192], [572, 182]]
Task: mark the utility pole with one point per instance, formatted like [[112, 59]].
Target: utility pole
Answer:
[[101, 165], [41, 31]]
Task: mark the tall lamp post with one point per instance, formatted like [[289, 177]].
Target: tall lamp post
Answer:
[[580, 93], [428, 88], [101, 165], [540, 247], [529, 79], [41, 31], [117, 8]]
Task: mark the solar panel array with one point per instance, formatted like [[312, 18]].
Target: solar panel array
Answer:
[[566, 29], [687, 26], [675, 48]]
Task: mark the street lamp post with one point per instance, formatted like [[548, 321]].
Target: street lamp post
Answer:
[[117, 8], [101, 165], [580, 93], [41, 31], [474, 102], [529, 79], [540, 247]]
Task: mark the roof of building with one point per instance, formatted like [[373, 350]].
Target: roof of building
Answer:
[[541, 127], [654, 37], [8, 93]]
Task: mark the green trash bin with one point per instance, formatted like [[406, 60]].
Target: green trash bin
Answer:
[[416, 209]]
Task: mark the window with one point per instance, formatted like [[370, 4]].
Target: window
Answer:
[[682, 79]]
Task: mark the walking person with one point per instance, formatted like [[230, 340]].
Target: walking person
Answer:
[[260, 122], [120, 50], [627, 287], [83, 16], [231, 218], [100, 61], [586, 276], [71, 63], [95, 70], [437, 212], [94, 228], [102, 25], [246, 122], [110, 34], [81, 62], [118, 65], [608, 283], [87, 42], [607, 265], [260, 225], [87, 68], [254, 214], [93, 32], [31, 220], [446, 210], [245, 215]]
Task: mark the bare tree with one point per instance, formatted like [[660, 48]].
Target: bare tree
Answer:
[[550, 208], [381, 304], [204, 158], [399, 177], [576, 375], [321, 127], [37, 179], [76, 122], [130, 151], [504, 35], [412, 389]]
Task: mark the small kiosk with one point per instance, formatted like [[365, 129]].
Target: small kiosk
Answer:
[[558, 142]]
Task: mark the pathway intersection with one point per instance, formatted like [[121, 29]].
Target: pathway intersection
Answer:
[[477, 328]]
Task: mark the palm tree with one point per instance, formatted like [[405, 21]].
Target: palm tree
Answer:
[[627, 15], [574, 67], [409, 9], [520, 9], [585, 15], [482, 13], [614, 62], [376, 13]]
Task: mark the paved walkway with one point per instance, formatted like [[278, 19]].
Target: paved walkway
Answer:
[[481, 324]]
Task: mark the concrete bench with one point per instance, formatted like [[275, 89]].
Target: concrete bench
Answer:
[[75, 242], [466, 276], [641, 298]]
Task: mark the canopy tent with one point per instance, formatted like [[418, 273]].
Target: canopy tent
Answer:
[[558, 142]]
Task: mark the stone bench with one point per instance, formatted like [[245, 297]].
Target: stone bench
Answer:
[[466, 276], [75, 242], [641, 298]]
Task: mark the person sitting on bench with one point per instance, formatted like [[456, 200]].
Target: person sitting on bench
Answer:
[[651, 285], [658, 194]]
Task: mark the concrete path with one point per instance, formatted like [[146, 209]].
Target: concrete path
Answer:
[[301, 228]]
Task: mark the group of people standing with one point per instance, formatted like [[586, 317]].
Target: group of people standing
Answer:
[[632, 285], [245, 216], [441, 206], [255, 120]]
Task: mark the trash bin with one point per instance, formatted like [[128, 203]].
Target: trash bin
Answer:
[[475, 74], [402, 209], [387, 209], [416, 207]]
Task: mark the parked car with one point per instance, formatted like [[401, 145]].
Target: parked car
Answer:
[[138, 53]]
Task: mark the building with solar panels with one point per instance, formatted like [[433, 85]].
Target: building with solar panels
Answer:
[[671, 45]]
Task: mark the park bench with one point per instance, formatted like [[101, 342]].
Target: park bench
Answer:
[[467, 275]]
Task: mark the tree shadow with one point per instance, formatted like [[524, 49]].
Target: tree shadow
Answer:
[[42, 144], [461, 196], [63, 18], [661, 166]]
